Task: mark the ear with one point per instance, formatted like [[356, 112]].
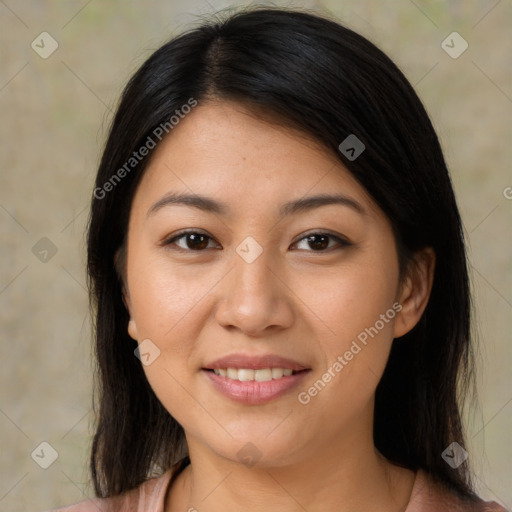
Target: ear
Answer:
[[132, 327], [415, 291], [132, 330], [118, 264]]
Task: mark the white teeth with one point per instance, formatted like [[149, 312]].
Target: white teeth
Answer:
[[247, 374], [263, 375], [277, 373]]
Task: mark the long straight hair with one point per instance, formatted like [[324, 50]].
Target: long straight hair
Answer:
[[317, 76]]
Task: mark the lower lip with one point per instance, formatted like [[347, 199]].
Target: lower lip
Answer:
[[253, 392]]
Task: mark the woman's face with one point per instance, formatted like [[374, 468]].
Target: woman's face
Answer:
[[269, 277]]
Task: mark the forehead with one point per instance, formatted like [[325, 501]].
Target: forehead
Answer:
[[224, 150]]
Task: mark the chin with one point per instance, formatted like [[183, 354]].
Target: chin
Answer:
[[258, 451]]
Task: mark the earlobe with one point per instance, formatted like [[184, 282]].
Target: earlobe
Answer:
[[415, 291], [132, 329]]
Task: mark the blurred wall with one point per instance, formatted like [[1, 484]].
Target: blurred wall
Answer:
[[55, 108]]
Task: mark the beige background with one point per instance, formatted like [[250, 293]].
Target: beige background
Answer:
[[54, 115]]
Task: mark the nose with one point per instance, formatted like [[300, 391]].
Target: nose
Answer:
[[255, 299]]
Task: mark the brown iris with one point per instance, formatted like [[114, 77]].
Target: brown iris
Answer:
[[197, 241], [318, 241]]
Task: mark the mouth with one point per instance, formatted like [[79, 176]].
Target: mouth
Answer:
[[254, 380], [250, 375]]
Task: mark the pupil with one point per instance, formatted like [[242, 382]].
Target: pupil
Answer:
[[193, 239], [318, 245]]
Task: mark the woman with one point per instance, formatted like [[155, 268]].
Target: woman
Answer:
[[278, 270]]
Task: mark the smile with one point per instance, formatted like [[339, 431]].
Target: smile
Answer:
[[248, 374], [242, 385]]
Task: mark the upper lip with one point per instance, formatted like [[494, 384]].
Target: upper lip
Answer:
[[255, 362]]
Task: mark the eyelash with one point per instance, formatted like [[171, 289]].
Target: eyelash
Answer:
[[182, 234]]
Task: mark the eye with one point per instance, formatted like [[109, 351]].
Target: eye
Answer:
[[191, 241], [319, 242], [197, 241]]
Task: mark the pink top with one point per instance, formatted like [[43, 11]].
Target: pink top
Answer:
[[426, 496]]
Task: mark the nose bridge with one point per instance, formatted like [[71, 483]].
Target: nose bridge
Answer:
[[254, 279], [254, 297], [252, 261]]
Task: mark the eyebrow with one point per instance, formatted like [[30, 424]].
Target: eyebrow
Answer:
[[207, 204]]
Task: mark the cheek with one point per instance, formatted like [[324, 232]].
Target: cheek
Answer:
[[158, 302], [170, 307], [351, 297], [163, 294], [164, 299], [356, 306]]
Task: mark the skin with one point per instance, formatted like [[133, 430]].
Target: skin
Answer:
[[292, 301]]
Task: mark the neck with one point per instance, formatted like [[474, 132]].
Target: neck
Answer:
[[347, 477]]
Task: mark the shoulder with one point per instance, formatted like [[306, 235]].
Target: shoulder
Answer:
[[148, 496], [428, 495]]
